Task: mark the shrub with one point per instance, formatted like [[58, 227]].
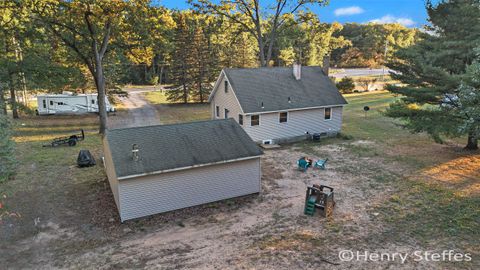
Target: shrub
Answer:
[[7, 157], [346, 85]]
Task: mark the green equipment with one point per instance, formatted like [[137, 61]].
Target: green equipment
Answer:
[[320, 164], [319, 197], [303, 164]]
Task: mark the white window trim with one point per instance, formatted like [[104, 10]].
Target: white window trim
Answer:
[[259, 121], [331, 114], [288, 117]]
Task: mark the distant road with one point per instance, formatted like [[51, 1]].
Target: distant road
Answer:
[[349, 72]]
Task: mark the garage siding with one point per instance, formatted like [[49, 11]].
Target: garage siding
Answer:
[[159, 193], [298, 123], [110, 169]]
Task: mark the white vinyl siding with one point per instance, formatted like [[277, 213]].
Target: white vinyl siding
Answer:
[[224, 100], [159, 193], [299, 122], [110, 170]]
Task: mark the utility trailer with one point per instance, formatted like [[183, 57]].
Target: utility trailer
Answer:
[[68, 140], [69, 103]]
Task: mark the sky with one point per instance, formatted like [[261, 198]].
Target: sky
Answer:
[[410, 13]]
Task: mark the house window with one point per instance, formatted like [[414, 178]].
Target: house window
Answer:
[[93, 101], [226, 86], [328, 113], [255, 120], [60, 103], [226, 113], [51, 102], [217, 111], [283, 117], [240, 119], [44, 104]]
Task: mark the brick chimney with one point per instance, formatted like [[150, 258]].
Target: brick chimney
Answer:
[[297, 71], [326, 64]]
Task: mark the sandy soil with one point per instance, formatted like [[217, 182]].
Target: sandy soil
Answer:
[[265, 231]]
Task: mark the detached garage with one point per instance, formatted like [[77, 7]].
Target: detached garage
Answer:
[[156, 169]]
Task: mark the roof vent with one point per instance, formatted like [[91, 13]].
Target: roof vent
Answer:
[[289, 100], [297, 71], [135, 151], [263, 107]]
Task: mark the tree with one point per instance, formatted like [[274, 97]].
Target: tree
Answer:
[[263, 25], [181, 76], [85, 26], [465, 106], [435, 70], [12, 20], [305, 39], [370, 41], [367, 83], [346, 85], [201, 64], [7, 156]]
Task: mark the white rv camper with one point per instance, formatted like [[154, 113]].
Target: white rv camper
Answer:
[[68, 103]]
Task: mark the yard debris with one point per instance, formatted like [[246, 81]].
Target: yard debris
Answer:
[[85, 159]]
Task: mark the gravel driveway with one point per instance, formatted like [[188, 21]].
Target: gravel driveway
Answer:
[[140, 112]]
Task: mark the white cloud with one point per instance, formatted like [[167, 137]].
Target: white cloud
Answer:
[[393, 19], [348, 11]]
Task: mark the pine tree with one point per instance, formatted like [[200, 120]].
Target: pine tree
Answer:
[[201, 65], [433, 70], [181, 75]]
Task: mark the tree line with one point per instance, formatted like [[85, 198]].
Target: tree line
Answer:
[[57, 45], [49, 45]]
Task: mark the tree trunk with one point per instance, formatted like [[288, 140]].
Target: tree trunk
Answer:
[[160, 76], [185, 95], [261, 51], [13, 98], [201, 92], [100, 83], [21, 74], [472, 142], [3, 106]]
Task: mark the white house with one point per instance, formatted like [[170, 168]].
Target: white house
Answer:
[[156, 169], [279, 103], [69, 103]]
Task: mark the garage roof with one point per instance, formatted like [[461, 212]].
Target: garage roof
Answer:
[[178, 146], [268, 89]]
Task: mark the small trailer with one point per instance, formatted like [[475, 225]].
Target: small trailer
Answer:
[[69, 103], [67, 140]]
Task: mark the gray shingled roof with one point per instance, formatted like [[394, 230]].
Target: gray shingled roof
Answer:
[[164, 147], [273, 87]]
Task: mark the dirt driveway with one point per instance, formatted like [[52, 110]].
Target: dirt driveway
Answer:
[[140, 112]]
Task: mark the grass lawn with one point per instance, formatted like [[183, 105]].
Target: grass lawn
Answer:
[[177, 113], [430, 195]]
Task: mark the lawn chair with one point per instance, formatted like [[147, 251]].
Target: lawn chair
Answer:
[[320, 164], [303, 164]]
